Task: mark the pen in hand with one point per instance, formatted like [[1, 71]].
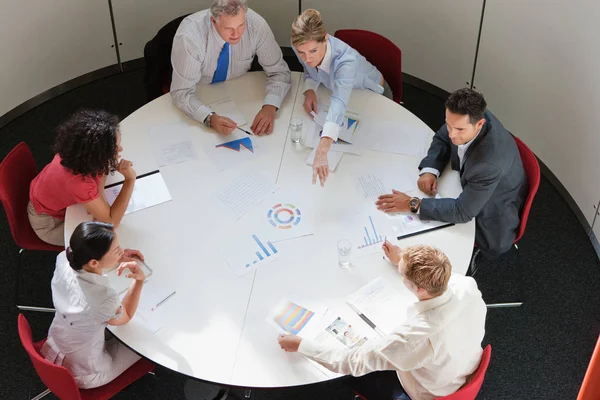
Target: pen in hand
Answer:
[[243, 130]]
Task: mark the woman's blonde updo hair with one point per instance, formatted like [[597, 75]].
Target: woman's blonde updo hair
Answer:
[[308, 26]]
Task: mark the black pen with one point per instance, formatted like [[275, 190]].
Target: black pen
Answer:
[[243, 130]]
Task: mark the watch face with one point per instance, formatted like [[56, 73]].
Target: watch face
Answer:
[[413, 202]]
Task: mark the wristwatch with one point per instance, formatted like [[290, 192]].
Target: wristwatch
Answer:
[[207, 119], [414, 204]]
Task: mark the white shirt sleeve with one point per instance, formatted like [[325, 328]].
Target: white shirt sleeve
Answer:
[[391, 352], [187, 71], [430, 170]]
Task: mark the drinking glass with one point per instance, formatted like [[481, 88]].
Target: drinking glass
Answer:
[[296, 129], [344, 248]]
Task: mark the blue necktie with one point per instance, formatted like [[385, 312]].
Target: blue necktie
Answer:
[[222, 65]]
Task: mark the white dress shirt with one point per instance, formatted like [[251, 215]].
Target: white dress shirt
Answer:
[[196, 49], [84, 304], [434, 351], [462, 149]]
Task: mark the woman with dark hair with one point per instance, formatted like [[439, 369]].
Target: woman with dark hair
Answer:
[[86, 304], [87, 149]]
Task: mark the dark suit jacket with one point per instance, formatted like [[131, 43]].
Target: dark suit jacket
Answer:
[[493, 181]]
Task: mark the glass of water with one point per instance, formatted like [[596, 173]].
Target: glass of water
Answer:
[[344, 248], [296, 129]]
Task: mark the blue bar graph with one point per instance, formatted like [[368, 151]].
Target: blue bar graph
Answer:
[[262, 246], [263, 253], [371, 238]]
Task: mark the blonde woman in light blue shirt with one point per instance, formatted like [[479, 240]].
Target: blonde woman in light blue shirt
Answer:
[[329, 61]]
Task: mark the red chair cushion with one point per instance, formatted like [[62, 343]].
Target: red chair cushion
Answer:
[[471, 389], [60, 381], [17, 170], [379, 51]]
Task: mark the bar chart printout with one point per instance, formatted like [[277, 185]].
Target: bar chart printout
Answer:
[[264, 251], [248, 251], [292, 318], [371, 235]]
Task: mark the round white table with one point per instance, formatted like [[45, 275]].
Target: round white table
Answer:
[[216, 327]]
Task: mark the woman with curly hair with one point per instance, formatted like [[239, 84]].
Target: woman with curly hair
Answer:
[[87, 149]]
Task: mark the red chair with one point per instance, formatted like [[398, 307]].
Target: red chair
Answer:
[[470, 390], [60, 381], [17, 170], [590, 388], [532, 170], [379, 51]]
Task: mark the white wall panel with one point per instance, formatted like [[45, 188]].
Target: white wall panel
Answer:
[[46, 43], [437, 37], [137, 21], [539, 69]]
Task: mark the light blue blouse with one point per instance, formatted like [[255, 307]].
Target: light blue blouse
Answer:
[[342, 70]]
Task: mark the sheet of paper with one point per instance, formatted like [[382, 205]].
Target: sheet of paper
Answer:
[[409, 224], [149, 314], [228, 109], [283, 215], [373, 183], [333, 158], [394, 137], [367, 231], [313, 136], [297, 315], [122, 283], [245, 193], [172, 144], [232, 150], [349, 127], [148, 191], [340, 328], [383, 305], [247, 251]]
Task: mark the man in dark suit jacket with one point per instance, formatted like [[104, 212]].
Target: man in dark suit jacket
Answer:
[[491, 175]]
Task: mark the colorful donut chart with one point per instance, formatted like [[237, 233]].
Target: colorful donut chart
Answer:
[[284, 216]]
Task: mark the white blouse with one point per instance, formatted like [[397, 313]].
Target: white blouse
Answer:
[[84, 304]]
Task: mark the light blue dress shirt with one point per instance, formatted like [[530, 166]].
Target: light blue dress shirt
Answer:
[[342, 70]]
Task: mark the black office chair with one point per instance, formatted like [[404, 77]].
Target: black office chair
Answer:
[[157, 54]]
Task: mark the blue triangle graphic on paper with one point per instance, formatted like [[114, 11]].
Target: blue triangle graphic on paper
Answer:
[[351, 122], [236, 145]]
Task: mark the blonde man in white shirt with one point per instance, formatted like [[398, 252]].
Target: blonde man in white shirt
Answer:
[[433, 353], [214, 45], [85, 304]]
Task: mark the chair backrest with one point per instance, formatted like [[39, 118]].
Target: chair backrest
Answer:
[[532, 170], [157, 54], [379, 51], [590, 388], [56, 378], [470, 390], [17, 170]]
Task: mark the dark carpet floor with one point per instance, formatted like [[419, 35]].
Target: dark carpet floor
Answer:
[[540, 350]]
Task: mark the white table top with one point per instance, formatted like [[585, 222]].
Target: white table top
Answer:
[[216, 326]]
